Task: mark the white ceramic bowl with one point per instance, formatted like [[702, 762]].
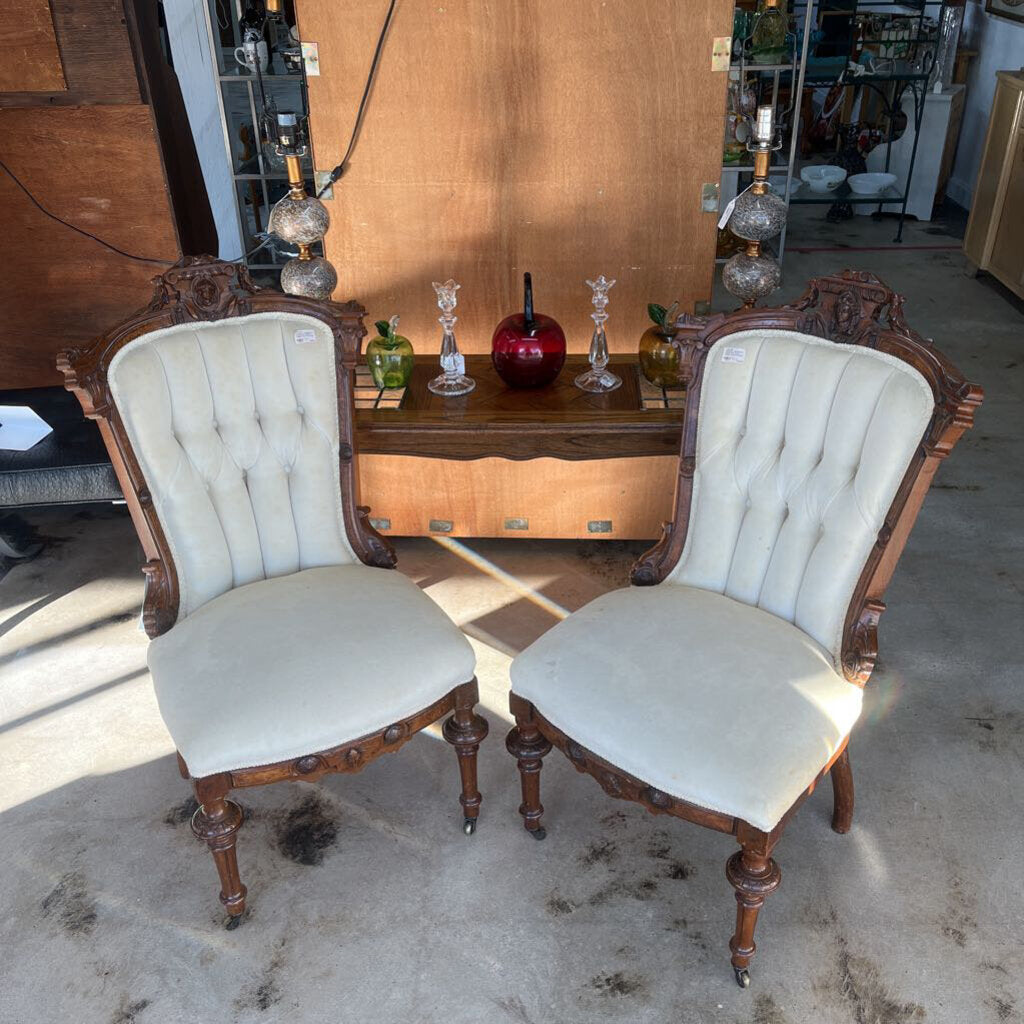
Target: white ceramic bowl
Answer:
[[872, 183], [822, 178]]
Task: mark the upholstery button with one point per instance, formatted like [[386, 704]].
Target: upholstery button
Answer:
[[214, 424], [750, 504], [300, 410]]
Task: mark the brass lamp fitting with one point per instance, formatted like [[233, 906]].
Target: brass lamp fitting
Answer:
[[296, 187]]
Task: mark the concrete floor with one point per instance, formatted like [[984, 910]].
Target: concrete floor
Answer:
[[368, 902]]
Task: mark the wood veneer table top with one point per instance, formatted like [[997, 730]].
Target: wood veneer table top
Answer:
[[494, 420]]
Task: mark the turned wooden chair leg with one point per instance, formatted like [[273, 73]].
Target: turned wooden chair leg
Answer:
[[754, 876], [216, 823], [842, 793], [465, 730], [526, 743]]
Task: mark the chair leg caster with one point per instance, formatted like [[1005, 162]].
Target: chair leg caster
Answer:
[[537, 833], [742, 977], [469, 826], [233, 922]]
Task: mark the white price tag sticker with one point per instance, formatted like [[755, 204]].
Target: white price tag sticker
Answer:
[[305, 336], [734, 355]]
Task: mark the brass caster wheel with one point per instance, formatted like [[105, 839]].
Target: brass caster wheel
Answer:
[[469, 826], [233, 922], [537, 833], [742, 977]]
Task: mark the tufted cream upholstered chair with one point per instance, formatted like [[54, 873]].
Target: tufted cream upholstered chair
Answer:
[[724, 684], [228, 415]]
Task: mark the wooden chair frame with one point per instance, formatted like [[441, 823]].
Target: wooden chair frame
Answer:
[[201, 290], [854, 308]]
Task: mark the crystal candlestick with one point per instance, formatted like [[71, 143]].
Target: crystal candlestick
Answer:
[[598, 378], [451, 381]]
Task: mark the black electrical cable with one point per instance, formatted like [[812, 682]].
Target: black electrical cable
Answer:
[[88, 234], [340, 169]]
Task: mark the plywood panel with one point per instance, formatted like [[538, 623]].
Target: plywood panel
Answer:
[[98, 168], [557, 498], [567, 138], [28, 42], [95, 55]]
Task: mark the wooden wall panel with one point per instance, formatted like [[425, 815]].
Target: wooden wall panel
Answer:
[[28, 43], [100, 169], [558, 498], [95, 55], [567, 138]]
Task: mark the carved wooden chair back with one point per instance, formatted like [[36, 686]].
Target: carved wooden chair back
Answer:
[[227, 412], [811, 435]]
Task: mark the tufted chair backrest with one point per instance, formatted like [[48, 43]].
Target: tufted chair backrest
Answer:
[[235, 427], [802, 444]]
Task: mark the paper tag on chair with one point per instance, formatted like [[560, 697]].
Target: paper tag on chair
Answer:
[[734, 355], [305, 336]]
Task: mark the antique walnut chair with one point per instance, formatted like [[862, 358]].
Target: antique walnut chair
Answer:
[[227, 412], [723, 685]]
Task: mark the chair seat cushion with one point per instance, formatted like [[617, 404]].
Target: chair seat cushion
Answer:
[[296, 664], [707, 699]]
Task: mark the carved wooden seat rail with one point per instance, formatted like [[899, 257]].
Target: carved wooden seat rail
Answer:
[[227, 413], [852, 309]]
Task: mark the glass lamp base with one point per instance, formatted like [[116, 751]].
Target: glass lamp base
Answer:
[[597, 381], [451, 387]]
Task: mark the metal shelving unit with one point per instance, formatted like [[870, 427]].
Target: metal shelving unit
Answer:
[[258, 173], [890, 87]]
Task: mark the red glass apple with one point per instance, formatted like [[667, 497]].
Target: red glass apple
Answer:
[[528, 349]]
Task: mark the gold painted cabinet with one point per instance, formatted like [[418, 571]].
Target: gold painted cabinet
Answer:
[[993, 239]]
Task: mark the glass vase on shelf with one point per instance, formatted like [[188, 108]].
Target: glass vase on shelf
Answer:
[[598, 378], [452, 380], [768, 38]]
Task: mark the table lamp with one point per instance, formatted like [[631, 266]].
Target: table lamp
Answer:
[[757, 215], [300, 219]]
